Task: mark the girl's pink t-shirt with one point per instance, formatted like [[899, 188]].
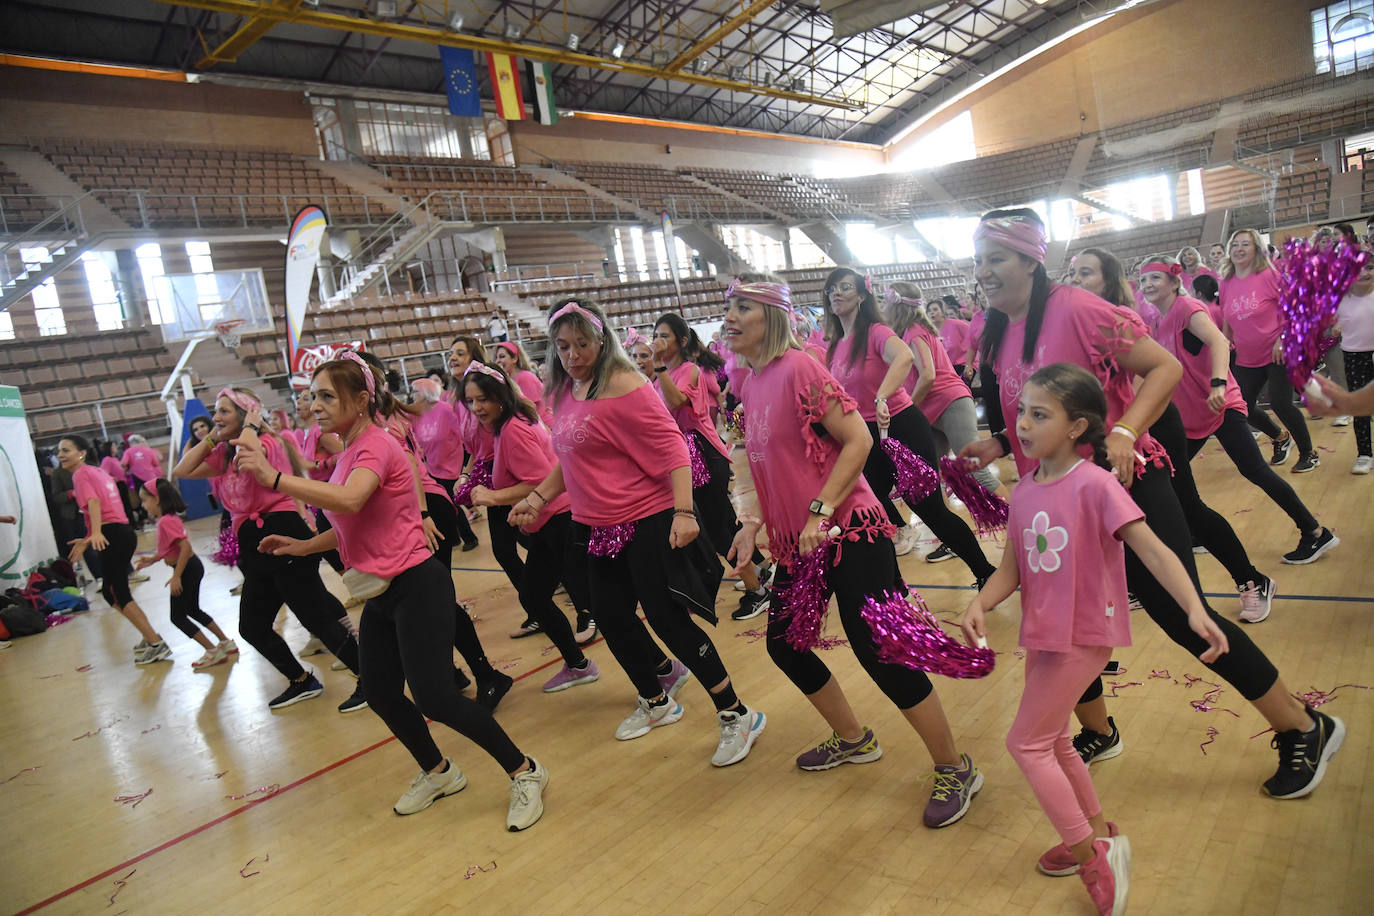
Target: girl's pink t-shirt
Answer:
[[863, 379], [240, 492], [530, 386], [954, 337], [617, 455], [791, 460], [170, 530], [524, 454], [477, 439], [1085, 330], [695, 414], [143, 462], [948, 386], [437, 431], [1190, 396], [1250, 306], [110, 465], [93, 483], [1187, 278], [384, 537], [1071, 561]]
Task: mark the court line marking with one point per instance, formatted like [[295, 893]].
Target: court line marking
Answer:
[[161, 847]]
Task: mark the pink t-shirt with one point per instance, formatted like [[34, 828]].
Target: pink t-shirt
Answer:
[[1190, 396], [524, 454], [93, 483], [948, 386], [863, 379], [1090, 332], [437, 431], [477, 440], [240, 492], [1187, 278], [790, 461], [142, 462], [1250, 306], [975, 334], [399, 427], [384, 537], [617, 455], [1356, 318], [170, 530], [954, 336], [110, 465], [1071, 561], [295, 435], [530, 386], [311, 451], [695, 414]]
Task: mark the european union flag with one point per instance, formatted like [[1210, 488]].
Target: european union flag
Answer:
[[460, 80]]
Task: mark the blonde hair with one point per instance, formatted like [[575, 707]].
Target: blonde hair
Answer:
[[1168, 260], [1197, 256], [1228, 269], [610, 360], [777, 329], [901, 315]]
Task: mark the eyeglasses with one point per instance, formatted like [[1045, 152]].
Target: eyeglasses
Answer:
[[840, 288]]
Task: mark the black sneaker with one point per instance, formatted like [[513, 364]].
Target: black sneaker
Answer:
[[1303, 756], [940, 554], [752, 605], [1308, 462], [296, 691], [355, 702], [528, 628], [490, 692], [1281, 449], [765, 573], [1310, 547], [470, 545], [1093, 746], [585, 631]]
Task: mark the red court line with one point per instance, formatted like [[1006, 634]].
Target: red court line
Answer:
[[242, 808]]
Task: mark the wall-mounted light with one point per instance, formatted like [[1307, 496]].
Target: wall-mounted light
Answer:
[[512, 30], [386, 9]]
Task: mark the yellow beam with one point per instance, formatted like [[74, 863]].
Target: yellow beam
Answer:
[[252, 29], [437, 36], [715, 38]]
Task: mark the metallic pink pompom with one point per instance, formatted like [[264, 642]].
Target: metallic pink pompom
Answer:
[[734, 420], [228, 552], [701, 476], [908, 634], [480, 477], [609, 540], [806, 598], [915, 479], [988, 510], [1313, 285]]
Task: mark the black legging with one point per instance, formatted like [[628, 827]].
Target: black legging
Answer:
[[1252, 380], [503, 544], [1243, 450], [464, 528], [865, 568], [713, 500], [1209, 527], [912, 429], [1359, 371], [120, 544], [445, 517], [186, 606], [405, 635], [269, 581], [330, 556], [635, 577], [552, 557]]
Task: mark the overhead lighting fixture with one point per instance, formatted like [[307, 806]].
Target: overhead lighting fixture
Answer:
[[572, 42], [512, 30], [798, 85], [313, 4], [619, 50], [736, 72], [660, 59], [386, 9], [455, 22]]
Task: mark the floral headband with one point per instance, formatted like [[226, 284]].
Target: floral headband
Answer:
[[572, 308], [483, 368], [367, 372], [245, 402], [778, 295]]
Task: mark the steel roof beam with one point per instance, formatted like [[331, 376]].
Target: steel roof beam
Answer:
[[254, 27], [715, 38]]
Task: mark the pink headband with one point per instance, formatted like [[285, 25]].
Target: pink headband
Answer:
[[1160, 267], [509, 347], [245, 402], [1015, 232], [151, 487], [778, 295], [572, 308], [367, 373], [634, 338], [483, 368], [893, 297]]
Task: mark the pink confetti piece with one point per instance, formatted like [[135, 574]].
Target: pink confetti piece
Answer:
[[1020, 653], [1162, 673], [1117, 685], [1242, 511], [1328, 449], [1211, 736], [133, 801], [46, 677], [119, 885], [21, 773], [506, 664], [548, 650], [831, 642], [82, 669], [474, 870], [265, 858], [1317, 698], [110, 724], [153, 729], [220, 775], [753, 635], [1206, 702], [264, 791]]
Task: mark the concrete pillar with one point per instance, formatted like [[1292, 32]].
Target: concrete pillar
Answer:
[[348, 124]]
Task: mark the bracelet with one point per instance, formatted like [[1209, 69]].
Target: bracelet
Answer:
[[257, 428], [1218, 383], [277, 481], [685, 513], [1125, 431], [424, 513], [660, 369], [749, 519], [880, 400], [542, 500]]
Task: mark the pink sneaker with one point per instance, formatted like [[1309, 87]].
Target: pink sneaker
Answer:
[[1059, 861], [1107, 876], [571, 677]]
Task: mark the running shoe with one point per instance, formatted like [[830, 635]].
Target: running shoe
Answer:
[[940, 554], [1281, 449], [1303, 756], [834, 751], [672, 681], [1363, 465], [1094, 746], [645, 718], [356, 701], [1257, 600], [427, 788], [738, 732], [752, 605], [527, 797], [1311, 547], [585, 631], [571, 677], [153, 652], [1060, 862], [1308, 462], [1107, 875], [296, 691], [954, 789]]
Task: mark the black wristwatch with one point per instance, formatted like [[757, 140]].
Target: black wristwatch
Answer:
[[1218, 383], [658, 369]]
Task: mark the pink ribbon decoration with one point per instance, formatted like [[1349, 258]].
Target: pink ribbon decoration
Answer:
[[119, 884], [21, 773], [609, 540], [1211, 736], [245, 402], [479, 366], [1117, 685], [1015, 232], [572, 308], [988, 510], [915, 480], [806, 598], [260, 790], [474, 870], [133, 801], [266, 858], [479, 477], [905, 632], [1313, 284], [777, 295]]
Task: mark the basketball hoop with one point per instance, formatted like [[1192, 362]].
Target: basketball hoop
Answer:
[[229, 331]]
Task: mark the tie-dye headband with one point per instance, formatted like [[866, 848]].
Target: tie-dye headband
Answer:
[[572, 308], [367, 372], [778, 295]]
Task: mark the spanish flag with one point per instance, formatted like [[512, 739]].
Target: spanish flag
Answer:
[[505, 86]]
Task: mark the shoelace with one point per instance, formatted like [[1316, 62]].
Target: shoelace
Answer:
[[1291, 752], [945, 783], [730, 730], [520, 788]]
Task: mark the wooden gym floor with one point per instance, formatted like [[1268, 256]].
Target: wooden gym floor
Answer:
[[244, 810]]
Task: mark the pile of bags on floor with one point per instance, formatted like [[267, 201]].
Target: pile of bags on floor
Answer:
[[48, 600]]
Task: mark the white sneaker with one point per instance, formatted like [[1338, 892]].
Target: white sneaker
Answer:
[[905, 541], [1363, 464], [225, 649], [738, 731], [1343, 420], [312, 647], [1256, 601], [427, 788], [153, 652], [4, 643], [527, 797], [645, 718]]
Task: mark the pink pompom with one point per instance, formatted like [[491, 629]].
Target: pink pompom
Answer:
[[734, 420], [806, 598], [701, 476], [915, 479], [988, 510], [609, 540], [228, 552], [1313, 285], [480, 477], [908, 634]]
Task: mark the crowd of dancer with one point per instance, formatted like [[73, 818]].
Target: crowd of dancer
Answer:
[[612, 474]]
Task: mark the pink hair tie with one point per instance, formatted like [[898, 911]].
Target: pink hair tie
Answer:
[[245, 402], [1015, 232], [572, 308], [483, 368], [778, 295], [367, 372], [1160, 267]]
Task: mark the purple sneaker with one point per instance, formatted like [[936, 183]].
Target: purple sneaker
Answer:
[[835, 750], [672, 681], [954, 790], [571, 677]]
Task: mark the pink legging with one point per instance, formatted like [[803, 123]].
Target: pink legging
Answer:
[[1040, 738]]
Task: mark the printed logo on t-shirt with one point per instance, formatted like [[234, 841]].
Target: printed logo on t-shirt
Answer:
[[1043, 543], [568, 432], [758, 429]]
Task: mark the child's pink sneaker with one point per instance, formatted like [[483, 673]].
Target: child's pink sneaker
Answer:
[[1107, 875]]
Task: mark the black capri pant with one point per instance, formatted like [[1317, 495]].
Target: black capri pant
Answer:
[[186, 606], [121, 542]]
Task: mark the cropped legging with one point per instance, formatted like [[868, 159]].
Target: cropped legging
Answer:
[[1252, 380], [1241, 448], [120, 544], [911, 428], [1359, 371], [865, 568], [464, 528], [186, 606], [712, 498]]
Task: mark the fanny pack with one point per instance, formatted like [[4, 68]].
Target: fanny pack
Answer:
[[364, 585]]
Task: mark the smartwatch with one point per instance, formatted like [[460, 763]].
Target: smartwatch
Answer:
[[1218, 383], [819, 508]]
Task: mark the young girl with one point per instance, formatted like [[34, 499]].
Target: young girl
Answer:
[[1064, 550], [515, 362], [162, 502], [1356, 320], [641, 351]]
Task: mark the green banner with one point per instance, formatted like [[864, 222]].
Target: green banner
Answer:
[[11, 404]]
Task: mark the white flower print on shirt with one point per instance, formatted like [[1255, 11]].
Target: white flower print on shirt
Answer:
[[1043, 543]]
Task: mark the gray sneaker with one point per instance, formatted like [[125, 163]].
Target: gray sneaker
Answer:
[[738, 732], [953, 792], [645, 718], [153, 652], [672, 681], [527, 797], [427, 788]]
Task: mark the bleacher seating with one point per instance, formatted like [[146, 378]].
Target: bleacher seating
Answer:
[[657, 189], [1303, 195], [794, 195], [1312, 122], [1139, 241], [1005, 179], [495, 192], [935, 279], [20, 206]]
